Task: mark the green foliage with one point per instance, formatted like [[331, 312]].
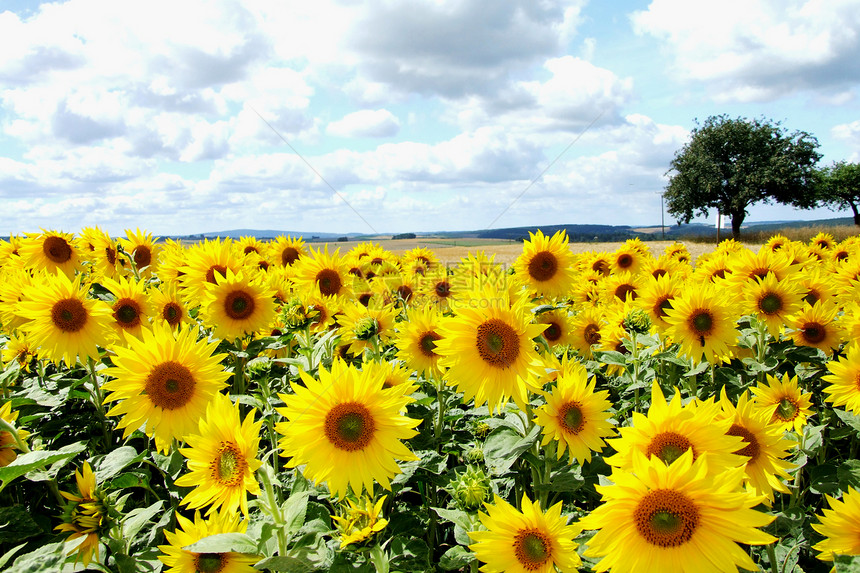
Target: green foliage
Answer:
[[838, 187], [730, 164]]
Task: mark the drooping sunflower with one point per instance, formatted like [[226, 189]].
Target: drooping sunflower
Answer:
[[237, 305], [8, 442], [346, 429], [559, 328], [10, 252], [842, 389], [840, 526], [51, 251], [99, 249], [772, 301], [763, 444], [598, 262], [417, 338], [817, 326], [702, 320], [746, 265], [168, 306], [489, 351], [575, 415], [64, 323], [142, 248], [323, 274], [675, 518], [817, 286], [222, 459], [526, 541], [363, 326], [791, 406], [323, 310], [179, 560], [132, 309], [164, 382], [544, 267], [85, 516], [359, 522], [670, 429]]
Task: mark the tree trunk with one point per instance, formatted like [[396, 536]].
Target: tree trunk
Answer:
[[737, 220], [856, 213]]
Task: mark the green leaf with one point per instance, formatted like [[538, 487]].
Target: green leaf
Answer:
[[822, 478], [116, 461], [611, 357], [37, 460], [224, 543], [813, 437], [848, 419], [848, 474], [503, 446], [45, 559], [285, 563], [16, 524], [294, 510], [4, 559], [137, 518], [455, 516], [455, 558], [847, 563]]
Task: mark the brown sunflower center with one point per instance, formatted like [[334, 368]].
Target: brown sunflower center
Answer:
[[600, 266], [349, 426], [172, 313], [662, 305], [498, 343], [110, 254], [209, 562], [625, 261], [657, 273], [289, 255], [427, 344], [813, 332], [329, 282], [786, 410], [666, 517], [812, 296], [532, 548], [126, 312], [404, 292], [752, 447], [701, 322], [625, 290], [142, 256], [229, 465], [69, 314], [364, 298], [250, 249], [770, 303], [211, 277], [57, 249], [570, 417], [170, 385], [552, 332], [239, 305], [543, 266], [669, 446], [591, 334], [442, 289]]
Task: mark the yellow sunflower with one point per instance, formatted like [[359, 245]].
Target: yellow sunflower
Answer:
[[179, 560], [844, 380], [489, 350], [670, 429], [526, 541], [762, 444], [51, 251], [575, 415], [14, 282], [237, 305], [19, 349], [656, 296], [171, 262], [544, 267], [817, 326], [132, 310], [679, 518], [419, 261], [840, 526], [622, 286], [100, 250], [168, 306], [363, 326], [85, 516], [772, 301], [323, 274], [8, 442], [585, 330], [346, 429], [142, 249], [787, 400], [249, 244], [393, 374], [417, 339], [702, 320], [64, 323], [164, 381], [358, 522], [746, 265], [285, 251], [559, 328], [222, 459], [205, 263], [627, 259]]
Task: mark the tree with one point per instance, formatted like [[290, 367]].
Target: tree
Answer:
[[839, 187], [731, 164]]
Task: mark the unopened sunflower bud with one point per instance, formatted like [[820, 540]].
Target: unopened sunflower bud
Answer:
[[638, 321], [471, 488], [366, 328]]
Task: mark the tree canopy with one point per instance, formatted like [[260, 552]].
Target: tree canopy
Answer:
[[731, 164], [839, 187]]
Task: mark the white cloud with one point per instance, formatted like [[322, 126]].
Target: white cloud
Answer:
[[850, 134], [365, 123]]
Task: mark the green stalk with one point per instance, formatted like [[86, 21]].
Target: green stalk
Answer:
[[771, 556], [239, 371], [274, 510], [98, 401]]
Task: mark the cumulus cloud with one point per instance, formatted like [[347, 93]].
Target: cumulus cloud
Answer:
[[365, 123]]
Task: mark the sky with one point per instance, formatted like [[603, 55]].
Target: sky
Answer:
[[388, 116]]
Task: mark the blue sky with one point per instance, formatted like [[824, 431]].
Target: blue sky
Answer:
[[385, 116]]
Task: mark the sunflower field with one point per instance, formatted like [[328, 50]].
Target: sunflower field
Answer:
[[229, 406]]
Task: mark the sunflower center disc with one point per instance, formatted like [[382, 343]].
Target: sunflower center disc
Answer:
[[443, 289], [591, 334], [349, 426], [702, 322], [770, 303], [213, 273], [553, 332], [786, 410], [752, 448], [404, 292], [110, 253], [329, 282], [209, 562], [239, 305], [427, 343], [532, 548], [666, 518], [625, 261], [69, 315], [571, 418], [811, 297], [57, 249], [127, 313], [662, 306], [172, 313], [142, 256], [498, 344], [813, 332], [625, 290], [669, 446], [230, 464], [543, 266], [170, 385]]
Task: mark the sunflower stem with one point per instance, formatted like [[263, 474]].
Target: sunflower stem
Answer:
[[8, 427], [98, 402], [771, 556], [239, 359], [440, 418], [274, 507]]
